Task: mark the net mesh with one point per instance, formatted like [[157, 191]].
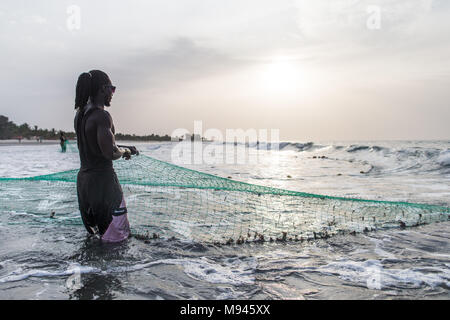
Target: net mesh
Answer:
[[166, 200]]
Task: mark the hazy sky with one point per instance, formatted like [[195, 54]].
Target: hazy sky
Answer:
[[315, 70]]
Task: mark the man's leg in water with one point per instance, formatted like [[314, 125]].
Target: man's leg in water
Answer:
[[87, 213], [102, 205]]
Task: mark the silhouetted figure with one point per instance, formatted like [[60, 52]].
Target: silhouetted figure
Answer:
[[62, 141], [100, 196]]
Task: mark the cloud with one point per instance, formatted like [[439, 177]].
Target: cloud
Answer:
[[197, 56], [34, 19], [412, 33], [183, 60], [346, 20]]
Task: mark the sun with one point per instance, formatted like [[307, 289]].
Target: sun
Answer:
[[281, 76]]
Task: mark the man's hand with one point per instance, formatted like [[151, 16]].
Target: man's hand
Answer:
[[126, 153], [121, 152], [132, 150]]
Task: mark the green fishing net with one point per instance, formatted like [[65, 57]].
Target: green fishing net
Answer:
[[165, 200]]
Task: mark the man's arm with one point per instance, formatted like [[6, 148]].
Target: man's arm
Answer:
[[105, 139]]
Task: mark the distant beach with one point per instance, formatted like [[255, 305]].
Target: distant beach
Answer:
[[15, 142]]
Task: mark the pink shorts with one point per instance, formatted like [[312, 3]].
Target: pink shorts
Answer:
[[119, 228]]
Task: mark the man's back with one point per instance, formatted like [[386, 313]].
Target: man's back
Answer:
[[91, 156]]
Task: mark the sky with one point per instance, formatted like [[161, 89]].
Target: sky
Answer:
[[315, 70]]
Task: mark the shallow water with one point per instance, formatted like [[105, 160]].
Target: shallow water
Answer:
[[60, 261]]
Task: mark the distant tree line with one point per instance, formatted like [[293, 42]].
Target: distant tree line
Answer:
[[10, 130], [133, 137]]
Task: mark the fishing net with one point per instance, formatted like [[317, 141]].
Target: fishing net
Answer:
[[165, 200]]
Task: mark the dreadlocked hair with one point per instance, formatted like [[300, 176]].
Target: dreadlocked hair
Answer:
[[88, 85]]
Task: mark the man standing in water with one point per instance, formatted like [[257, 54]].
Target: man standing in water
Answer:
[[100, 196], [62, 141]]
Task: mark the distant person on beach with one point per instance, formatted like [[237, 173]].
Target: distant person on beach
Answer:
[[63, 141], [100, 196]]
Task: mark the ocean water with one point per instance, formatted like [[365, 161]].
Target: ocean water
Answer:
[[48, 262]]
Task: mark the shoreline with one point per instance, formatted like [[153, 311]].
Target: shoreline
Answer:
[[15, 142]]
